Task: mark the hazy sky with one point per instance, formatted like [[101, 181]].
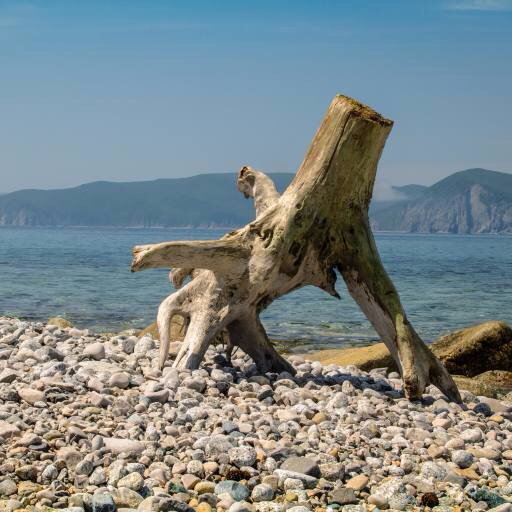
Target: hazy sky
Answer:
[[133, 90]]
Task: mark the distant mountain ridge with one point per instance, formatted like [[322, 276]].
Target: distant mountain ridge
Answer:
[[205, 200], [467, 202], [470, 201]]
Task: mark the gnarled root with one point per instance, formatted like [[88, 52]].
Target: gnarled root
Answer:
[[372, 289], [248, 333], [420, 368]]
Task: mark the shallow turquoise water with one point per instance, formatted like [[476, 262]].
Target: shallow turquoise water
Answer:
[[445, 281]]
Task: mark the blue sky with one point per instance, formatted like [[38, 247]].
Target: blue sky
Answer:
[[133, 90]]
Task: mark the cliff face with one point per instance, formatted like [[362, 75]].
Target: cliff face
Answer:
[[473, 201]]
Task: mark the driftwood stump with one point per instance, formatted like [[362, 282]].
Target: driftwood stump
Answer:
[[319, 224]]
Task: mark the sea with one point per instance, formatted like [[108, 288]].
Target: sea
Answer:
[[445, 282]]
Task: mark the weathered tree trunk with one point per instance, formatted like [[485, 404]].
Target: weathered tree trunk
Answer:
[[318, 225]]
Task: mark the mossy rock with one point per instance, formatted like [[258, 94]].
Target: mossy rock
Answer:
[[493, 383], [365, 358], [60, 322], [476, 349], [178, 331]]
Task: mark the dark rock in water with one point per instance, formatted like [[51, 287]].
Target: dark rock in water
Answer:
[[343, 496], [304, 465], [476, 349], [103, 503]]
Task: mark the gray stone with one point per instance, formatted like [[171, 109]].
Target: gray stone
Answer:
[[217, 445], [133, 481], [242, 456], [343, 496], [196, 383], [8, 487], [70, 457], [262, 492], [119, 380], [471, 435], [30, 395], [125, 497], [103, 502], [84, 467], [307, 480], [7, 375], [236, 490], [304, 465], [433, 470], [49, 474], [462, 458], [332, 471], [160, 396], [118, 445], [7, 430], [98, 477], [95, 351]]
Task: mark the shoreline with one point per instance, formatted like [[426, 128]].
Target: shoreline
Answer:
[[89, 423], [229, 228]]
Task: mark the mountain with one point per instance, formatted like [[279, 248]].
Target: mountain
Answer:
[[205, 200], [471, 201]]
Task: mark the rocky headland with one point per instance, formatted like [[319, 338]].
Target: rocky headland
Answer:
[[89, 423]]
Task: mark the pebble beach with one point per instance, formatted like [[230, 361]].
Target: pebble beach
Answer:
[[89, 423]]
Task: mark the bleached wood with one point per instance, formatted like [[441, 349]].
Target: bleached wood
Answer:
[[318, 225], [256, 184], [224, 256]]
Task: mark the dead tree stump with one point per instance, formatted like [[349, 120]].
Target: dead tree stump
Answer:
[[318, 225]]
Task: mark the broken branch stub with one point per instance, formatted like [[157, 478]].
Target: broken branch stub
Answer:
[[319, 224]]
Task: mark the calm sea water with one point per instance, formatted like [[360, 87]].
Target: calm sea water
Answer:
[[445, 282]]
